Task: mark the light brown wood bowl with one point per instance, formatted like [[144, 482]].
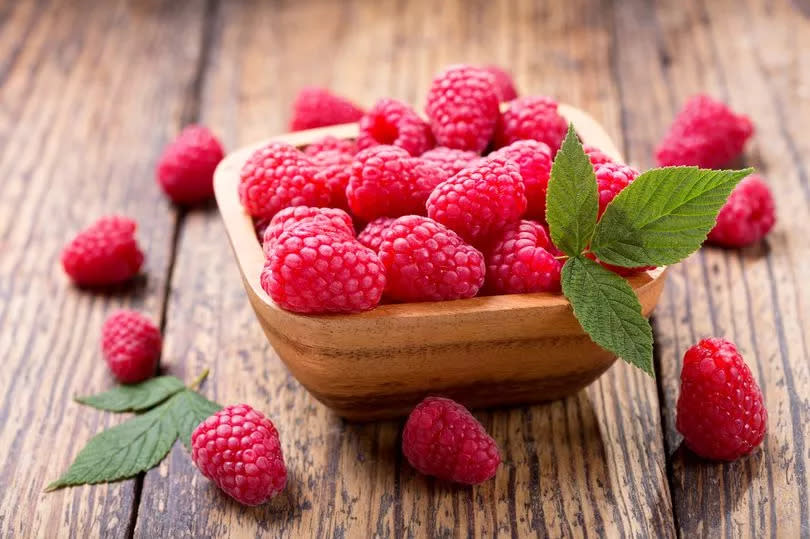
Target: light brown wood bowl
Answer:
[[484, 351]]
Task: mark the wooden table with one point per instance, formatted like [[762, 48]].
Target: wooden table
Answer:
[[91, 91]]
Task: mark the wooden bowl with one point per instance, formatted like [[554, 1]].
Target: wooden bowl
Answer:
[[484, 351]]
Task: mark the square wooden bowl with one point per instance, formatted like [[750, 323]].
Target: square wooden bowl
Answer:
[[483, 351]]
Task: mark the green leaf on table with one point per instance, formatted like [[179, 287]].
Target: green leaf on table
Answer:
[[609, 311], [572, 199], [663, 216], [136, 397], [191, 410]]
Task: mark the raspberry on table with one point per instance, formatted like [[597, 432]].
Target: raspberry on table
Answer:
[[705, 133], [450, 160], [330, 143], [611, 178], [521, 261], [534, 160], [462, 105], [372, 235], [393, 123], [504, 85], [441, 438], [104, 253], [319, 107], [596, 156], [185, 170], [531, 118], [480, 200], [239, 450], [747, 216], [130, 343], [426, 261], [289, 217], [315, 268], [277, 176], [720, 410]]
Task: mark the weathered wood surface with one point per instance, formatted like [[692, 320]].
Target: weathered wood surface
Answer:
[[89, 92]]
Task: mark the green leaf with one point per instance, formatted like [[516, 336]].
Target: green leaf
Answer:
[[572, 200], [609, 311], [663, 216], [191, 410], [135, 398]]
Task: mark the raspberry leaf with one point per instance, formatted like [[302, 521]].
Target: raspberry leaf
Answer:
[[572, 200], [609, 311], [663, 216], [135, 398], [191, 410]]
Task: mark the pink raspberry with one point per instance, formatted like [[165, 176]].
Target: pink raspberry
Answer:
[[442, 438], [391, 122], [130, 343], [314, 268], [104, 253], [372, 235], [480, 200], [330, 143], [289, 217], [426, 261], [720, 410], [318, 107], [504, 85], [521, 261], [597, 156], [387, 182], [611, 178], [531, 118], [336, 177], [277, 176], [185, 171], [747, 216], [450, 160], [462, 105], [238, 449], [705, 133], [534, 160], [329, 158]]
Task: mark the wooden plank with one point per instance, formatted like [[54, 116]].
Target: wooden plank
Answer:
[[747, 54], [89, 92], [592, 463]]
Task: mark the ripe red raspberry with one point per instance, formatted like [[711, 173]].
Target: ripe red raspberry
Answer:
[[480, 200], [720, 409], [315, 268], [450, 160], [611, 178], [336, 177], [442, 438], [329, 158], [534, 160], [747, 216], [426, 261], [185, 170], [238, 449], [596, 156], [104, 253], [330, 143], [277, 176], [372, 235], [394, 123], [387, 182], [318, 107], [289, 217], [504, 85], [531, 118], [130, 343], [705, 133], [462, 105], [521, 261]]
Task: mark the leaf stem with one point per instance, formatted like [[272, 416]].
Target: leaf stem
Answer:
[[197, 381]]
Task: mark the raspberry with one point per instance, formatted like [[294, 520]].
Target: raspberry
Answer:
[[336, 177], [479, 200], [238, 449], [720, 410], [394, 123], [278, 176], [462, 105], [520, 261], [387, 182], [442, 438], [531, 118], [315, 268], [534, 160], [130, 343], [104, 253], [747, 216], [372, 235], [330, 143], [185, 170], [596, 155], [260, 225], [611, 178], [450, 160], [705, 133], [504, 85], [426, 261], [328, 158], [289, 217], [318, 107]]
